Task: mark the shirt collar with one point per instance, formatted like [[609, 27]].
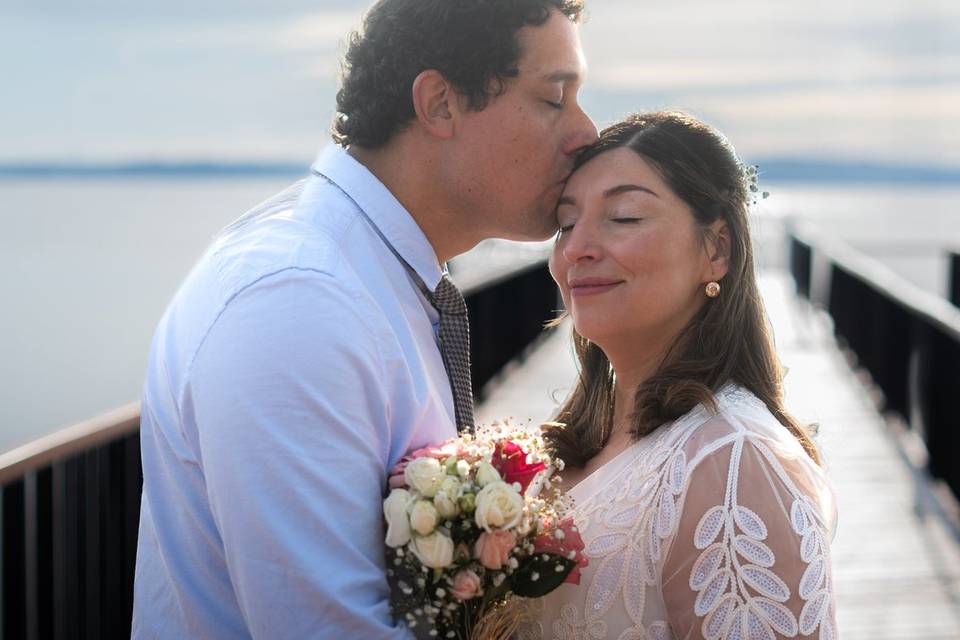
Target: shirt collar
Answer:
[[382, 209]]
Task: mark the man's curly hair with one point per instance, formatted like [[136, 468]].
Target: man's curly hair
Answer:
[[473, 43]]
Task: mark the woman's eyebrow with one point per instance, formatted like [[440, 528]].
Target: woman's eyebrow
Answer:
[[611, 192], [627, 188]]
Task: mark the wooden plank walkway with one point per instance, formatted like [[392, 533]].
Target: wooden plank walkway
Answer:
[[897, 569]]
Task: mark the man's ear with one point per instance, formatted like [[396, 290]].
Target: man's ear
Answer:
[[717, 247], [434, 102]]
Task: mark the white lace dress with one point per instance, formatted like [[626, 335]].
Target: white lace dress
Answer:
[[715, 526]]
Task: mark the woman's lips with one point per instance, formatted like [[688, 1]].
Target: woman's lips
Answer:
[[592, 286]]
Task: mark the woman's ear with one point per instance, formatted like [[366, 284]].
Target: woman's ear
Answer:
[[717, 248], [434, 101]]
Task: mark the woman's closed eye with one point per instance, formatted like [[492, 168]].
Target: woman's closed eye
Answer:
[[625, 220]]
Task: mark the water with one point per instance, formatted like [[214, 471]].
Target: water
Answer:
[[908, 228], [87, 267], [87, 270]]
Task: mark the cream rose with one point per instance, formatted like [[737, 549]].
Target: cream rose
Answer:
[[434, 551], [499, 506], [447, 496], [425, 475], [486, 474], [395, 512], [423, 517]]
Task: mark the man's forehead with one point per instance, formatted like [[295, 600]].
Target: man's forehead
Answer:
[[551, 52]]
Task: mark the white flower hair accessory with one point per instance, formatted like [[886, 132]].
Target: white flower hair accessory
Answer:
[[751, 178]]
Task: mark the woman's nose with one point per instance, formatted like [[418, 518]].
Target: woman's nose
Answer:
[[580, 244]]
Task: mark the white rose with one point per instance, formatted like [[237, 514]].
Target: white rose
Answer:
[[434, 551], [395, 511], [463, 468], [423, 517], [425, 475], [451, 486], [447, 496], [499, 506], [487, 474]]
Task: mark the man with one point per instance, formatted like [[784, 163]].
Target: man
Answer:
[[300, 359]]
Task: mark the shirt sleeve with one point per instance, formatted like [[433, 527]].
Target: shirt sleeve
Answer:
[[292, 412], [750, 555]]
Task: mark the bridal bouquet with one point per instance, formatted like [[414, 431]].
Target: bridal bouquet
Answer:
[[468, 523]]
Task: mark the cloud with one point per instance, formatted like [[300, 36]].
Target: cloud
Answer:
[[218, 78], [737, 74], [845, 79], [316, 31]]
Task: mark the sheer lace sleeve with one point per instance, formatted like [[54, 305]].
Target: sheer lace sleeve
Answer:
[[749, 557]]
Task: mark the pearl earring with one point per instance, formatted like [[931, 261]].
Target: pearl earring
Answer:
[[712, 289]]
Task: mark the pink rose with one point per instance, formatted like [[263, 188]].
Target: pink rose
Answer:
[[442, 452], [396, 479], [466, 584], [492, 548]]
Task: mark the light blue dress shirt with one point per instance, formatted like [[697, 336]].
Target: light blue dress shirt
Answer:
[[292, 370]]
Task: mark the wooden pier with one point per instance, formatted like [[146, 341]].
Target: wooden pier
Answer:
[[69, 503], [896, 561]]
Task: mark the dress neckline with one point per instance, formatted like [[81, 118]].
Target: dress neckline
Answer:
[[593, 482], [729, 393]]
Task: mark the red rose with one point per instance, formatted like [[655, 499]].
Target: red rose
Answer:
[[570, 541], [511, 461]]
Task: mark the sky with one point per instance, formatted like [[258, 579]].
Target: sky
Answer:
[[240, 80]]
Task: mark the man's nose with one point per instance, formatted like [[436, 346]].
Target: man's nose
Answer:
[[583, 132]]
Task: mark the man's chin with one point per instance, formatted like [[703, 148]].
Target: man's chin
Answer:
[[545, 233], [529, 228], [534, 235], [545, 230]]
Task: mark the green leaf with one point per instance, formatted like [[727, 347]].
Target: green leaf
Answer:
[[537, 577]]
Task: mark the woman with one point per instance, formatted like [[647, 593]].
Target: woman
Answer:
[[701, 502]]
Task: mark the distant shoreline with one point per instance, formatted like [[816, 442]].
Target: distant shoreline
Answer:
[[777, 170], [162, 170]]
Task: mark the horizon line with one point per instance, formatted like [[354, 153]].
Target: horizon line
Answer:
[[772, 168]]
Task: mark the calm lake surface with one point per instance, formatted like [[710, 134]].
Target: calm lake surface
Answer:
[[88, 266]]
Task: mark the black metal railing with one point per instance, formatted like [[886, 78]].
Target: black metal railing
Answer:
[[70, 502], [506, 319], [907, 339], [70, 510]]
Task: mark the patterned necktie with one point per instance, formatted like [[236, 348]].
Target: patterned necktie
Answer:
[[455, 349]]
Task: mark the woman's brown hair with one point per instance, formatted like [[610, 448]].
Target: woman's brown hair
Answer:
[[728, 340]]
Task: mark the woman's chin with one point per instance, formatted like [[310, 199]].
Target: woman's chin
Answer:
[[593, 330]]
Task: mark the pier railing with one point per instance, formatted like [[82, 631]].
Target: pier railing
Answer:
[[907, 339], [70, 507], [70, 502]]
